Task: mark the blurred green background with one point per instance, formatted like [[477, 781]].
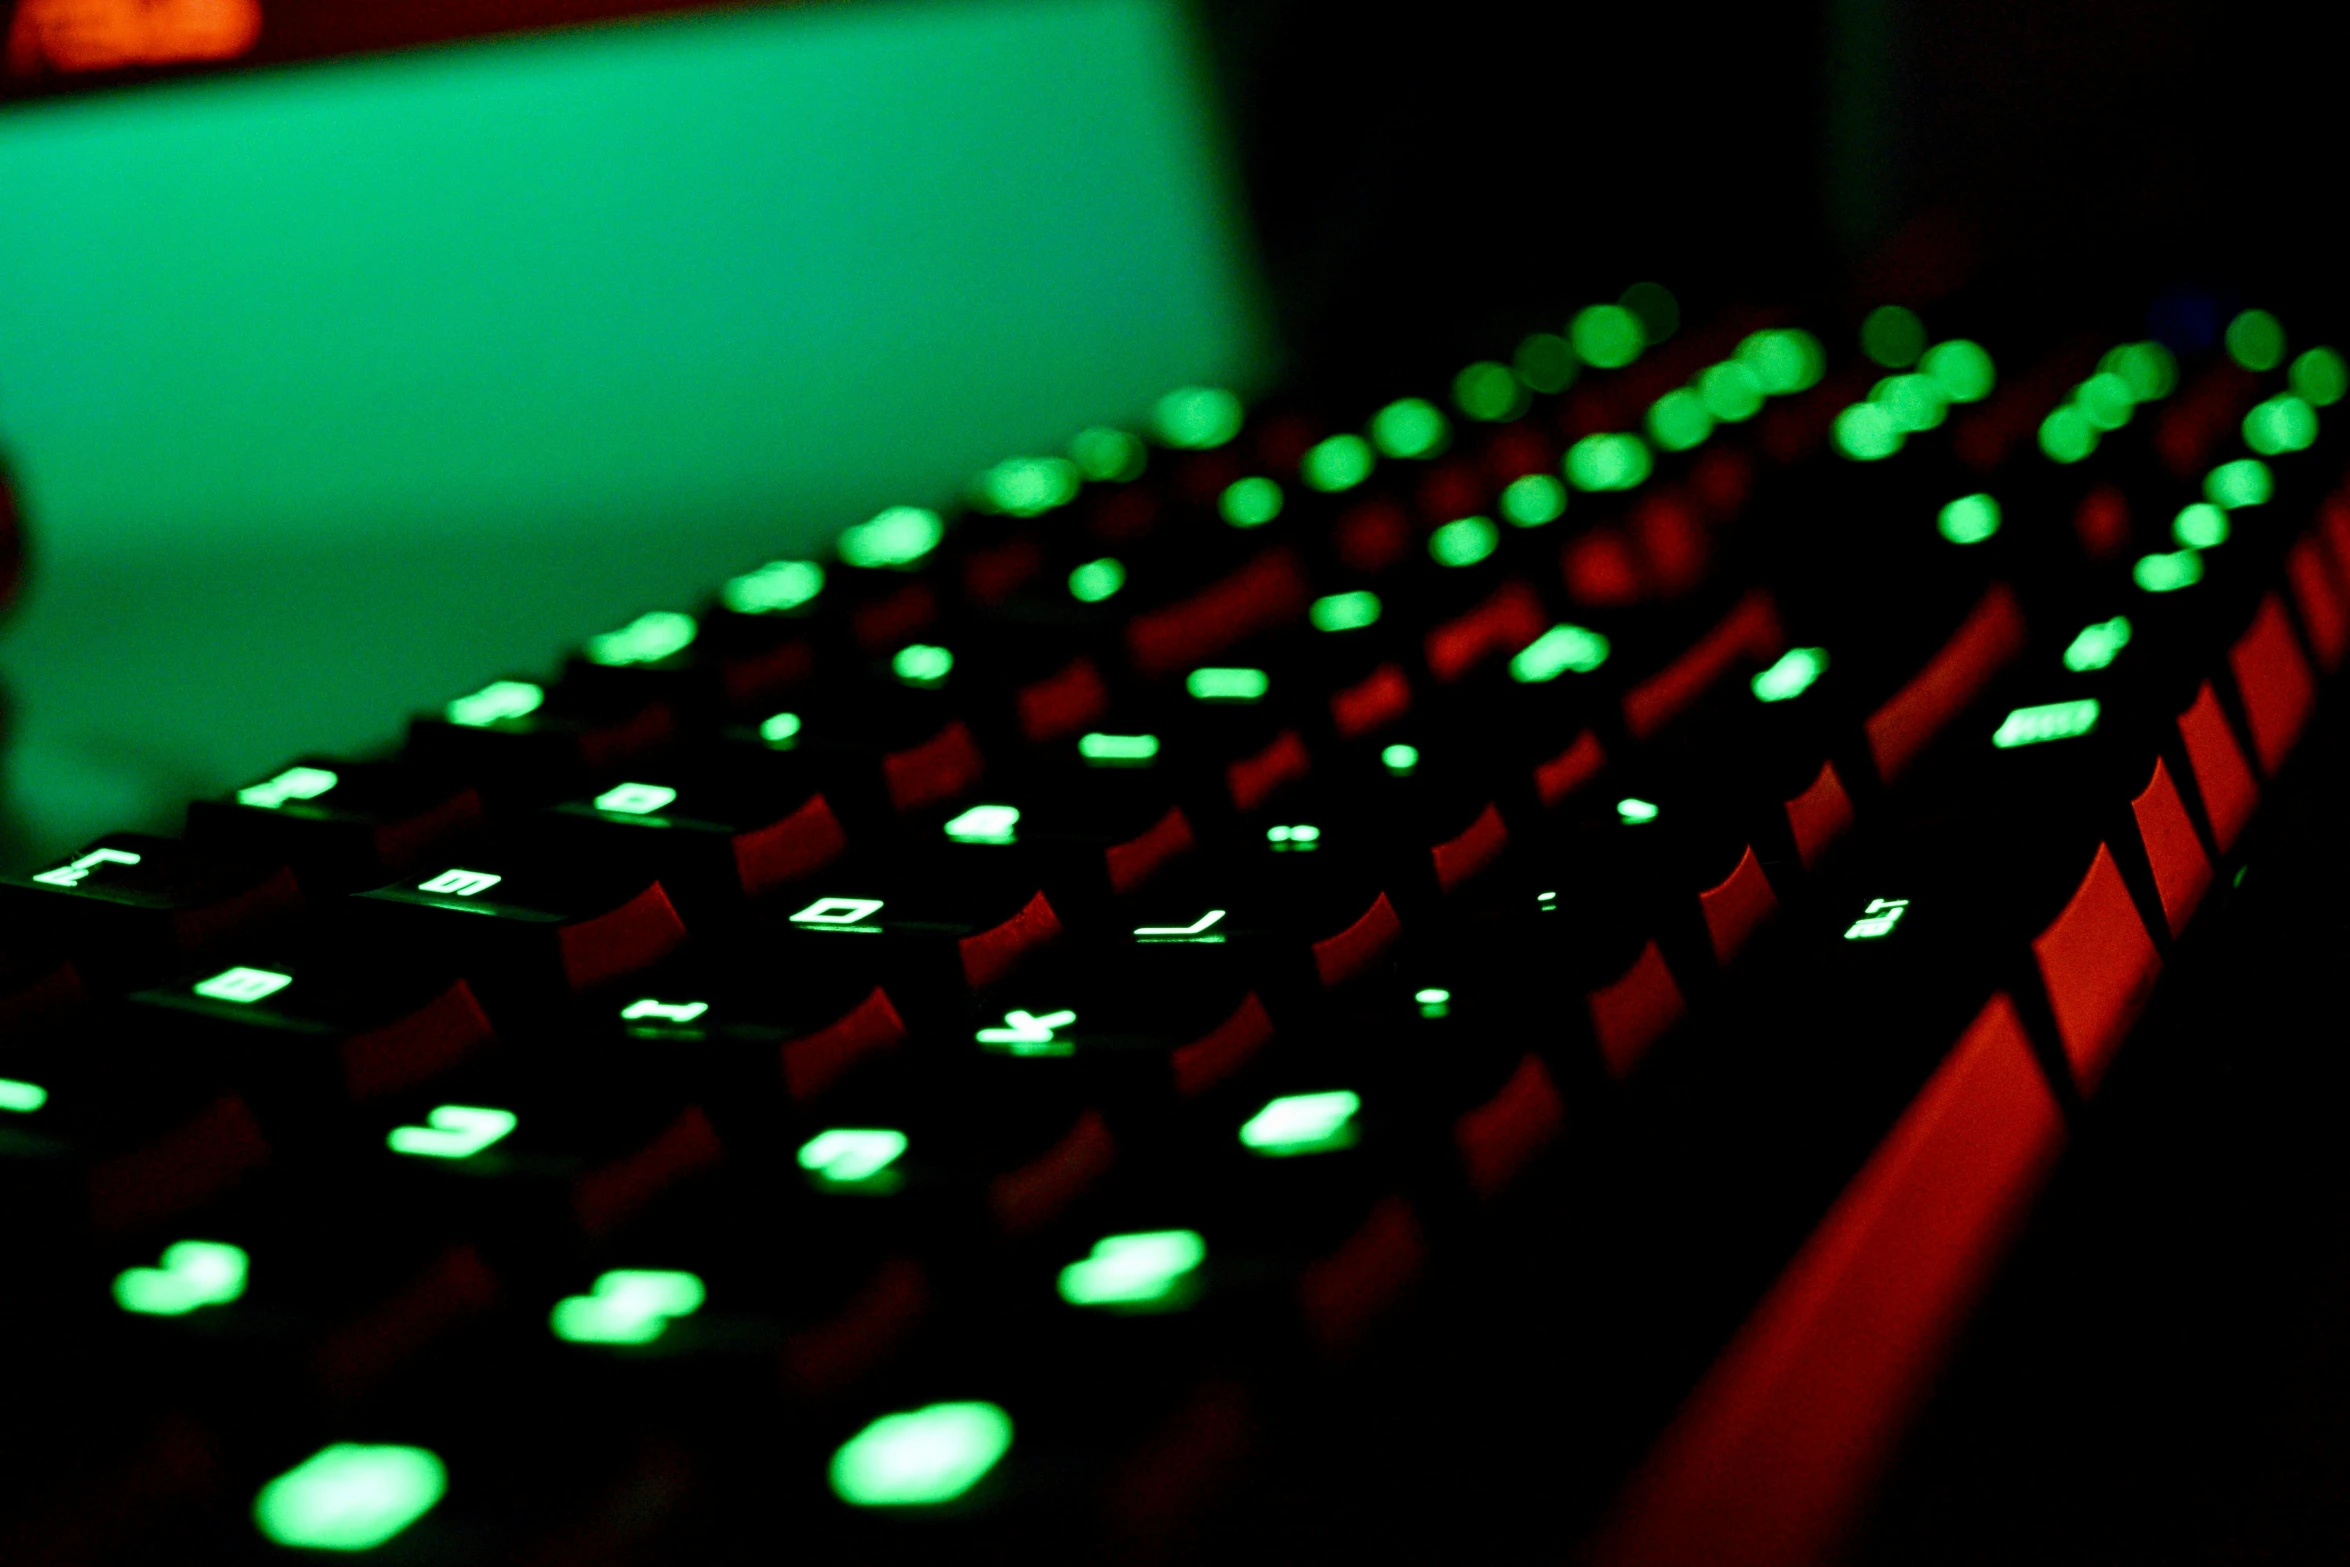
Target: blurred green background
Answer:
[[335, 391]]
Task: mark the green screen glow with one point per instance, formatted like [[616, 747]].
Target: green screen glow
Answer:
[[847, 1157], [1607, 462], [1345, 611], [1608, 336], [985, 824], [1679, 420], [1633, 811], [2319, 377], [2244, 482], [350, 1497], [922, 664], [295, 783], [21, 1097], [1227, 685], [1400, 759], [1560, 649], [1531, 501], [1026, 486], [1339, 463], [1408, 427], [1731, 391], [2168, 573], [648, 639], [1108, 456], [1546, 362], [1785, 360], [1464, 541], [498, 702], [1877, 920], [2256, 340], [774, 588], [1250, 503], [921, 1457], [1197, 418], [193, 1274], [1488, 391], [2067, 436], [1118, 750], [1792, 675], [894, 536], [627, 1306], [1893, 337], [1097, 580], [452, 1132], [2282, 424], [2098, 644], [2201, 526], [243, 985], [1142, 1271], [1970, 519], [1303, 1124], [2051, 721], [1962, 368], [1865, 432], [780, 730]]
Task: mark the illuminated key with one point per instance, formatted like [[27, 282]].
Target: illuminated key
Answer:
[[501, 701], [1401, 760], [850, 1159], [21, 1097], [1227, 685], [1556, 651], [780, 730], [192, 1275], [1434, 1002], [635, 799], [1150, 1270], [921, 1457], [1294, 838], [985, 824], [2050, 721], [651, 637], [663, 1011], [242, 985], [839, 914], [350, 1497], [295, 783], [1632, 811], [1303, 1124], [1792, 675], [1200, 930], [627, 1306], [1119, 750], [1029, 1034], [1878, 919], [453, 1132], [774, 589], [458, 883], [78, 871]]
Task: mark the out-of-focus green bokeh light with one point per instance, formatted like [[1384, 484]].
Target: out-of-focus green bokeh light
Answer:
[[1608, 336], [1546, 362], [350, 1496], [2168, 573], [2105, 401], [2201, 526], [1197, 418], [2244, 482], [2256, 340], [1608, 462], [1865, 432], [1531, 501], [1731, 391], [1785, 359], [921, 1457], [2066, 435], [2148, 370], [1409, 427], [2320, 378], [1027, 486], [1970, 519], [2283, 423], [1349, 611], [1655, 308], [1488, 391], [1679, 420], [1097, 580], [1464, 541], [1893, 337], [1250, 502], [1107, 455], [1962, 368], [1339, 463], [1915, 402]]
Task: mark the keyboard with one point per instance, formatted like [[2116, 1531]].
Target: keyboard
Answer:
[[1484, 971]]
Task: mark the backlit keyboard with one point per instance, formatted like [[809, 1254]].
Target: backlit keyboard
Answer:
[[1479, 976]]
